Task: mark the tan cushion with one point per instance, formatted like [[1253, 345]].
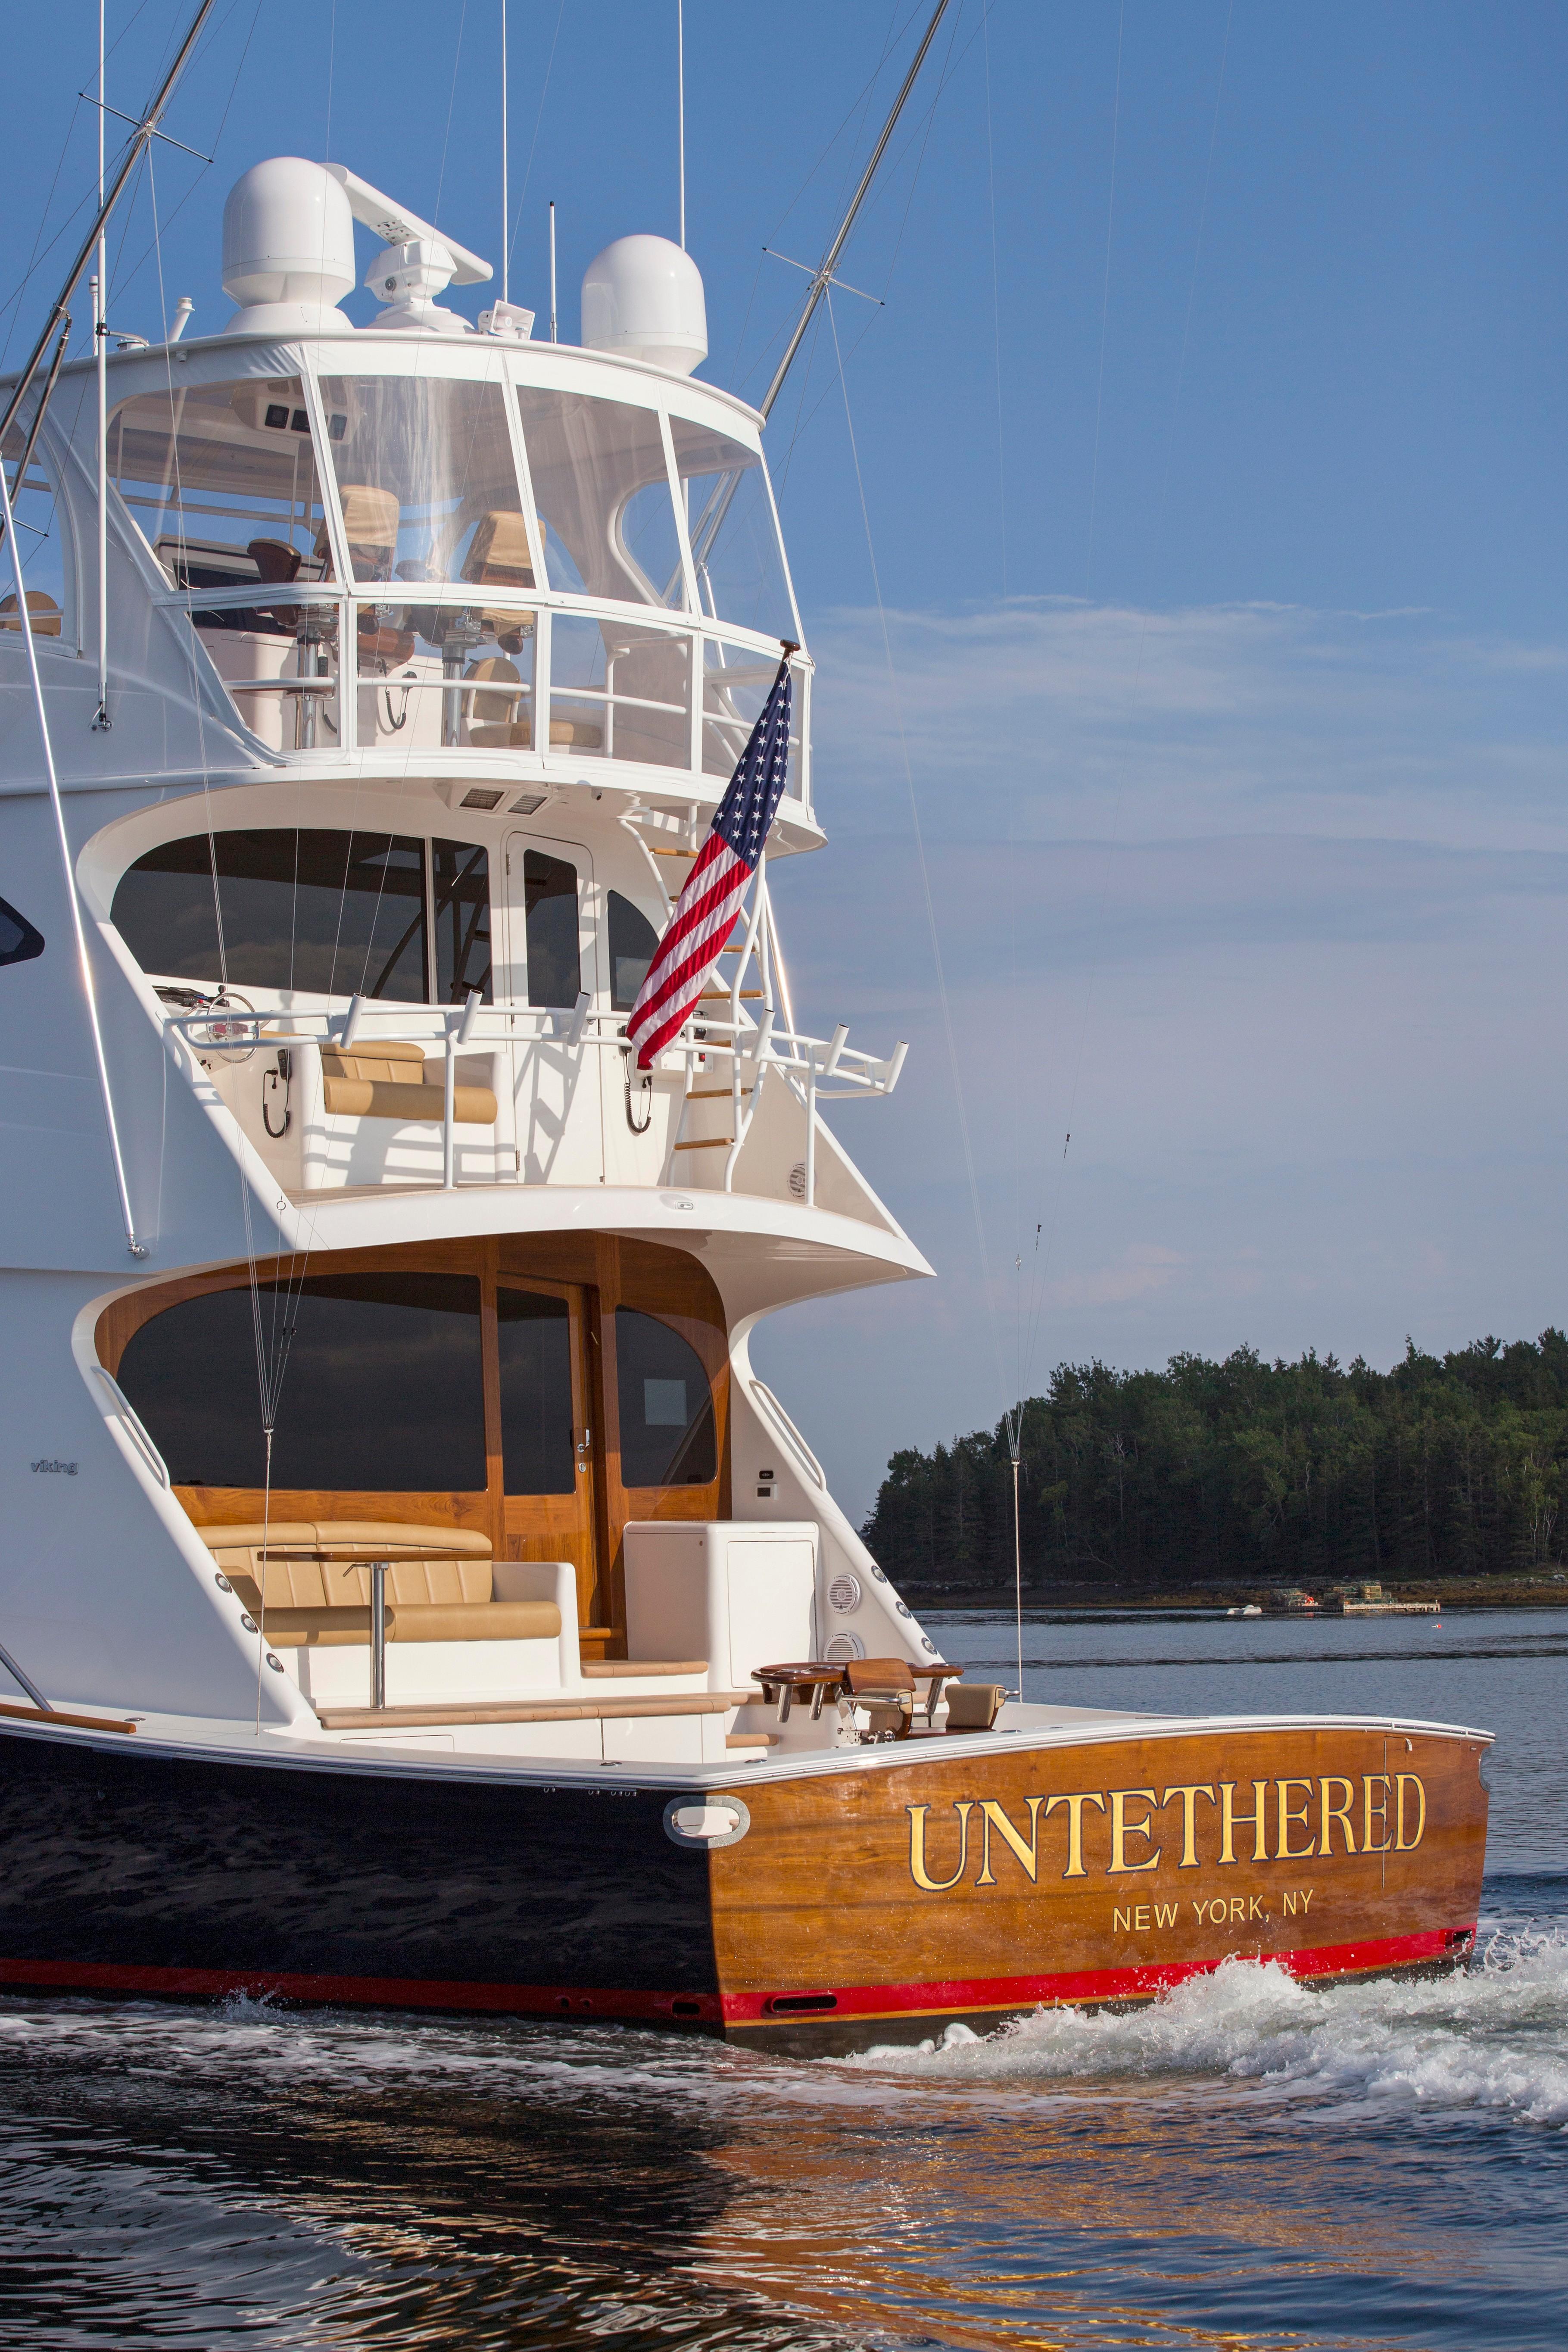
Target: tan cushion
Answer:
[[397, 1082], [498, 552], [464, 1576], [570, 734], [335, 1628], [974, 1706]]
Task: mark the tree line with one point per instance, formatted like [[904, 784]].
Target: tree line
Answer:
[[1281, 1472]]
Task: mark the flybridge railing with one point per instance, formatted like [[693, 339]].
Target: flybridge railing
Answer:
[[315, 666], [815, 1069]]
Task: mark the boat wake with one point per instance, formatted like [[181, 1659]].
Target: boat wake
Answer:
[[1492, 2036]]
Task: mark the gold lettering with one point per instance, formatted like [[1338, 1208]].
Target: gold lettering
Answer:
[[1368, 1845], [1121, 1829], [1189, 1793], [918, 1871], [1200, 1912], [1286, 1852], [1230, 1821], [1237, 1907], [1401, 1843], [1075, 1805], [1255, 1909], [1141, 1917], [1297, 1901], [1165, 1915], [994, 1817], [1123, 1921], [1333, 1813]]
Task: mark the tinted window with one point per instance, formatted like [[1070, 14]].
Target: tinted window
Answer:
[[666, 1411], [633, 943], [336, 914], [535, 1393], [19, 941], [381, 1387], [550, 923], [460, 880]]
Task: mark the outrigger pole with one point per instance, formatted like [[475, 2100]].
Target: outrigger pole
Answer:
[[145, 131], [823, 277]]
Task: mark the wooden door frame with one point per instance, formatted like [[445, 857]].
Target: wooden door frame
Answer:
[[609, 1270]]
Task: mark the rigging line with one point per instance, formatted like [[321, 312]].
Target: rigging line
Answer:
[[1105, 297], [539, 117], [452, 104], [921, 856], [331, 71], [1143, 639], [217, 140]]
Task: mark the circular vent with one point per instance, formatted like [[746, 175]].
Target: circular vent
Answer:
[[843, 1647], [797, 1180], [844, 1594]]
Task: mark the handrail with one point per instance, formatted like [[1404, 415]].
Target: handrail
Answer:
[[298, 609], [762, 1047], [126, 1412]]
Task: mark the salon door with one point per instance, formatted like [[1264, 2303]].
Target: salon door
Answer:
[[548, 1438], [552, 956]]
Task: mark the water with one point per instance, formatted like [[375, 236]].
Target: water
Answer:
[[1247, 2165]]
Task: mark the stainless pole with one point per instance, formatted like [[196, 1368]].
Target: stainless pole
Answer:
[[128, 163], [378, 1633], [819, 284]]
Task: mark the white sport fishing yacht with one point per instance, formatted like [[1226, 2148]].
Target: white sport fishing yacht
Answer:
[[410, 1593]]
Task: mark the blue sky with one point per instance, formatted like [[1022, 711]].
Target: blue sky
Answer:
[[1218, 507]]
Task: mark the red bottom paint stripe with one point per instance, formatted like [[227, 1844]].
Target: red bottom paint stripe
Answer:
[[944, 1997], [377, 1992], [947, 1996]]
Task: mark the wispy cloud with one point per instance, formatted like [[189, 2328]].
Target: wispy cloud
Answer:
[[1279, 936]]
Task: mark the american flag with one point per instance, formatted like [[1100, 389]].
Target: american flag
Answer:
[[708, 908]]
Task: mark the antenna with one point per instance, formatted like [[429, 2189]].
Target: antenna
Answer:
[[552, 336], [505, 214], [679, 106]]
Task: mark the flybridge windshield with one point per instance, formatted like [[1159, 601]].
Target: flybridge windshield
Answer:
[[610, 501]]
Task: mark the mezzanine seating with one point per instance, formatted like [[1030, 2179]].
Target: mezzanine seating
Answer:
[[393, 1081]]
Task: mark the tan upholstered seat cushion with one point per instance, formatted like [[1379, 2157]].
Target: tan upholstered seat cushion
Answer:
[[325, 1604], [344, 1628], [392, 1081], [464, 1577]]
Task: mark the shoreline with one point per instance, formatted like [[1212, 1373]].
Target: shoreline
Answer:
[[1404, 1599]]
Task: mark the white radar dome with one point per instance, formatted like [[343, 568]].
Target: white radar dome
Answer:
[[642, 297], [288, 248]]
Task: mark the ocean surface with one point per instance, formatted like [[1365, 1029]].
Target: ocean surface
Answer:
[[1246, 2165]]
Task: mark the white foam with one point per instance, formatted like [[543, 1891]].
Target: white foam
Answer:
[[1493, 2036]]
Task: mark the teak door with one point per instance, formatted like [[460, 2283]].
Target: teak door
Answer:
[[548, 1429]]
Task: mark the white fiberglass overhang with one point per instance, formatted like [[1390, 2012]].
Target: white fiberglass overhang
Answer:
[[552, 563]]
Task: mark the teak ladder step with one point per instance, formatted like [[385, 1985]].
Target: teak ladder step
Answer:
[[707, 1143], [715, 1093]]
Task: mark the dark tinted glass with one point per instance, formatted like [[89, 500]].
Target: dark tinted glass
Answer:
[[461, 883], [550, 901], [381, 1387], [633, 943], [19, 941], [536, 1430], [338, 914], [666, 1413]]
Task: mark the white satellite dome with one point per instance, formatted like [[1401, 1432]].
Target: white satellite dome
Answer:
[[288, 248], [642, 298]]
